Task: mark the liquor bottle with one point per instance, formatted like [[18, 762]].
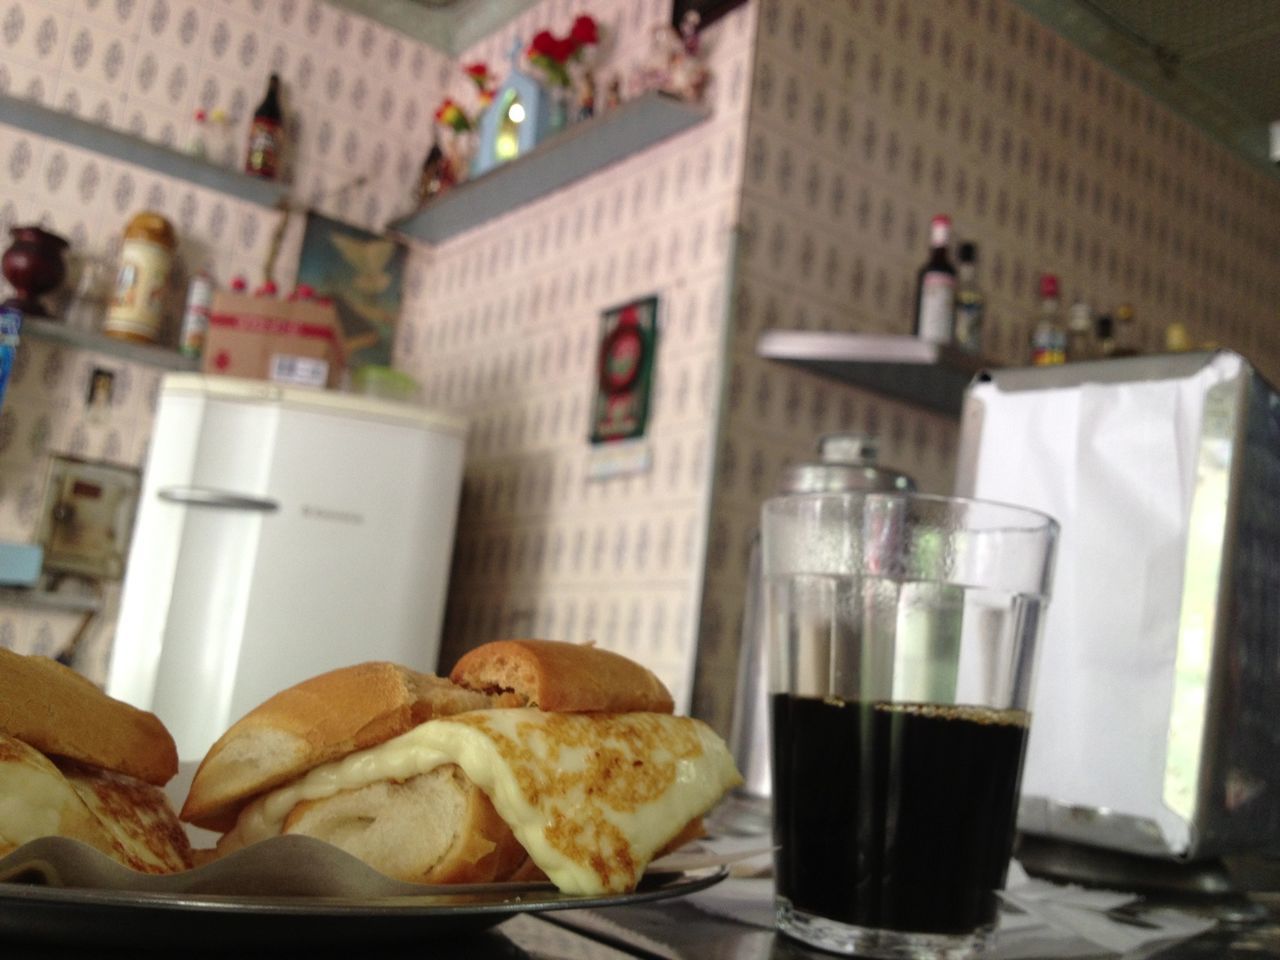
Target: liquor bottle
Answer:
[[1079, 332], [266, 134], [1104, 336], [936, 287], [195, 316], [1126, 333], [970, 303], [1048, 337]]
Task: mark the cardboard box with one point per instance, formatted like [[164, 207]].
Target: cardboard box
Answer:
[[261, 338]]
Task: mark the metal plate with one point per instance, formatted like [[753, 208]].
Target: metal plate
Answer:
[[104, 918]]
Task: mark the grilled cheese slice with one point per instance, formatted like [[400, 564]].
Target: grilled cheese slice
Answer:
[[127, 819], [591, 797]]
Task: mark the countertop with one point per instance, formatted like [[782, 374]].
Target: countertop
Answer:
[[692, 927]]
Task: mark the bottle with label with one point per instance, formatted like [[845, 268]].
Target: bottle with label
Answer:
[[936, 287], [266, 134], [1126, 332], [142, 279], [195, 315], [970, 303], [1048, 336], [1104, 336], [1079, 332]]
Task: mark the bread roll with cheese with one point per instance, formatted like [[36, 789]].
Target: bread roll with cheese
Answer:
[[563, 677], [471, 785], [76, 763], [312, 723]]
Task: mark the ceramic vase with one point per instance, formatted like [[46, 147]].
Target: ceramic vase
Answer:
[[33, 265]]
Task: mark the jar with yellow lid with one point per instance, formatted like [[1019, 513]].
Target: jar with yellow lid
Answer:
[[142, 280]]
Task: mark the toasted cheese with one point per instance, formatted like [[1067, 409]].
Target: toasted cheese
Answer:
[[591, 797], [34, 799], [125, 818], [136, 816]]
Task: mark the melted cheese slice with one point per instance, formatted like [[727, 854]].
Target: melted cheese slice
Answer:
[[591, 798], [34, 797]]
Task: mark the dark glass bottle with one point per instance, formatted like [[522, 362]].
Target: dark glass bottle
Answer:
[[936, 287], [969, 301], [266, 135]]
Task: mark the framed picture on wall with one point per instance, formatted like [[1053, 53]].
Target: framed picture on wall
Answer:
[[708, 11], [363, 274], [624, 371]]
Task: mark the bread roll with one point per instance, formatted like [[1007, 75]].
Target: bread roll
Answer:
[[562, 677], [433, 828], [316, 721], [61, 714]]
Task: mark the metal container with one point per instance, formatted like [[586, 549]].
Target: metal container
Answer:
[[846, 463], [1154, 733]]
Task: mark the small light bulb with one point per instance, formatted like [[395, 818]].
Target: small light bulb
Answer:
[[516, 113]]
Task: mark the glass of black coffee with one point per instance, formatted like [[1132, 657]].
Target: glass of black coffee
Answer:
[[903, 630]]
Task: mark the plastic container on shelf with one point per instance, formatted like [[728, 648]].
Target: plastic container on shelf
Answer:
[[377, 381]]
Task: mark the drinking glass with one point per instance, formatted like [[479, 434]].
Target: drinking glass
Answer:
[[902, 631]]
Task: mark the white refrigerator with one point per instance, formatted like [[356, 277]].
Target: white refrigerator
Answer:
[[281, 532]]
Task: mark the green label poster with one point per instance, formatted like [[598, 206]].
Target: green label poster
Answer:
[[628, 344]]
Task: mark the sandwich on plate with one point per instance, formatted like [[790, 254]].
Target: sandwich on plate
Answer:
[[77, 763], [535, 758]]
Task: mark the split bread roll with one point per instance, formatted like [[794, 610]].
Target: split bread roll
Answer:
[[467, 785], [562, 677], [76, 763]]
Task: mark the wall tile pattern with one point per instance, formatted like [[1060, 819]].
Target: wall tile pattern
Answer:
[[542, 550]]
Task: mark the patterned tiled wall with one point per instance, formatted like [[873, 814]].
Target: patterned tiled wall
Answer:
[[838, 129], [869, 116], [541, 549], [363, 96]]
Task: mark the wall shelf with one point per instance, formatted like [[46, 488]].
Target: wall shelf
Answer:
[[55, 331], [576, 152], [127, 148], [914, 371], [43, 599]]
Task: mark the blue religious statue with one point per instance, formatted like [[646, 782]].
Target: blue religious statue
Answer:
[[523, 112]]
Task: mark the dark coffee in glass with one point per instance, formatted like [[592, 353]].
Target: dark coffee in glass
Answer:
[[895, 816], [902, 629]]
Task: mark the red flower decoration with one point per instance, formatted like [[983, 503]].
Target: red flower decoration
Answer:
[[543, 43], [584, 31]]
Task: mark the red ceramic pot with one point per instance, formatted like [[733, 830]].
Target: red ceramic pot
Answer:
[[33, 264]]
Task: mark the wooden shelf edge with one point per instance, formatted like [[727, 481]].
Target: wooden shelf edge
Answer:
[[579, 151]]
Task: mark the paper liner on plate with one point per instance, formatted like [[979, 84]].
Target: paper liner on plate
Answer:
[[291, 866]]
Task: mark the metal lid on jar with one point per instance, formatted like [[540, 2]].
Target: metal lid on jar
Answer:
[[847, 463], [152, 227]]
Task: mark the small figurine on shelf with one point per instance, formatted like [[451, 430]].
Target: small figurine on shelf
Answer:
[[436, 176], [675, 64], [586, 106], [689, 36], [198, 147], [613, 93], [459, 144]]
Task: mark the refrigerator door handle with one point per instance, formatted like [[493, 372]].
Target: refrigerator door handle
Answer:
[[218, 499]]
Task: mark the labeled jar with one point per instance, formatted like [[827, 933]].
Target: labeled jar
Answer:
[[142, 279]]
